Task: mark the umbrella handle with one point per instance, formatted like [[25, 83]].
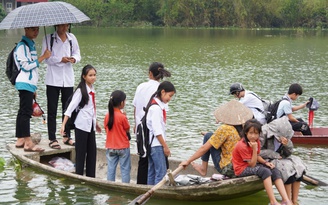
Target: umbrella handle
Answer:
[[45, 35]]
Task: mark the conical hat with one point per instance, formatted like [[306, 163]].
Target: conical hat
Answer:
[[233, 113]]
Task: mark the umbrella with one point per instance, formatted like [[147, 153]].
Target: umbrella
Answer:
[[233, 113], [43, 14]]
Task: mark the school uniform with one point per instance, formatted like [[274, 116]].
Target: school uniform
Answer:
[[85, 126], [141, 98], [59, 76], [255, 104], [26, 60], [156, 123], [285, 108]]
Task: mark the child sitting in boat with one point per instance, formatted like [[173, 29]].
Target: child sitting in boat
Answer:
[[117, 142], [246, 161]]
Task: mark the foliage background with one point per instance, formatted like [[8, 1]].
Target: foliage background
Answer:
[[205, 13]]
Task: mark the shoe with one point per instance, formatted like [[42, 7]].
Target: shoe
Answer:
[[34, 149], [54, 146], [67, 142]]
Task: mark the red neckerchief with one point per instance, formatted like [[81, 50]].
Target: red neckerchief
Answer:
[[164, 111]]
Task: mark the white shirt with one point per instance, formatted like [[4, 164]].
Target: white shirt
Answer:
[[87, 116], [58, 73], [155, 122], [252, 102], [142, 96]]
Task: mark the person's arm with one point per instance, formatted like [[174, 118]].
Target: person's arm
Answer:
[[253, 160], [298, 107], [200, 152], [75, 56], [166, 148]]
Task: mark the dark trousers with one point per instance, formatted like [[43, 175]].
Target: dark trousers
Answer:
[[86, 151], [142, 174], [24, 114], [301, 126], [52, 105]]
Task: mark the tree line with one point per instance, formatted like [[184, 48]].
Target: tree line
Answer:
[[206, 13]]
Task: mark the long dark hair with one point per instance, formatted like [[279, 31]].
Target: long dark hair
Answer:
[[115, 99], [82, 85], [252, 123], [166, 86], [158, 71]]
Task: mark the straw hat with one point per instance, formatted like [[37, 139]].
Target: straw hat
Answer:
[[233, 113]]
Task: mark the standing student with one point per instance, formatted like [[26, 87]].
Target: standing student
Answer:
[[156, 123], [117, 142], [60, 76], [27, 61], [250, 100], [247, 161], [285, 108], [144, 91], [85, 122]]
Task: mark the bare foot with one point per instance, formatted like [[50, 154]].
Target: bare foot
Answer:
[[199, 168]]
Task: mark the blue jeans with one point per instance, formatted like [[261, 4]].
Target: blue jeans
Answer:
[[122, 155], [215, 153], [156, 165]]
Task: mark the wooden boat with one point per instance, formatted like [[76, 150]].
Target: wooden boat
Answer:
[[319, 137], [215, 190]]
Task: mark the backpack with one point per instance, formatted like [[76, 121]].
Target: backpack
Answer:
[[70, 122], [52, 43], [12, 70], [142, 136], [272, 111], [266, 105]]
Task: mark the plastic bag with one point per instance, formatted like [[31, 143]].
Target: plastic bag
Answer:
[[62, 164]]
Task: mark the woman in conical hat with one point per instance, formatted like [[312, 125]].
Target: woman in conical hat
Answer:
[[219, 145]]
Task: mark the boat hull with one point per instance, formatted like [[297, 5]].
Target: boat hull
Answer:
[[319, 137], [213, 191]]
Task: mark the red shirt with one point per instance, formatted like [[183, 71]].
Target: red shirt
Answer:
[[117, 137], [241, 155]]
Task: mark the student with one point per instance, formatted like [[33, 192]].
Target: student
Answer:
[[276, 146], [156, 123], [220, 144], [246, 161], [144, 91], [85, 123], [59, 76], [26, 83], [285, 108], [117, 143], [250, 100]]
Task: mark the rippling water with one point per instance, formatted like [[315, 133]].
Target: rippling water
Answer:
[[203, 64]]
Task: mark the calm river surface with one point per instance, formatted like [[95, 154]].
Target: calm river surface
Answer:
[[203, 64]]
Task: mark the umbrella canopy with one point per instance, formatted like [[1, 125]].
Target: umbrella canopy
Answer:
[[43, 14], [233, 113]]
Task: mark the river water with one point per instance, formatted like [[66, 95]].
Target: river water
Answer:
[[203, 63]]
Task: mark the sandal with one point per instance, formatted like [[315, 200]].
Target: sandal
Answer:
[[34, 149], [54, 144], [69, 141]]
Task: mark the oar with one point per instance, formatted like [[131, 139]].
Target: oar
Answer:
[[313, 181], [142, 199]]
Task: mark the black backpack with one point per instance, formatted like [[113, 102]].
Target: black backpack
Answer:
[[142, 136], [12, 70], [70, 122], [272, 111]]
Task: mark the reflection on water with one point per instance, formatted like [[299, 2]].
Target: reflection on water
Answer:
[[203, 64]]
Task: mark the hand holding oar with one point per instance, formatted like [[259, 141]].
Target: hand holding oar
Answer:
[[140, 200]]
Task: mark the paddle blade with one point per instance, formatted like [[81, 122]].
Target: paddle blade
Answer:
[[313, 181]]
